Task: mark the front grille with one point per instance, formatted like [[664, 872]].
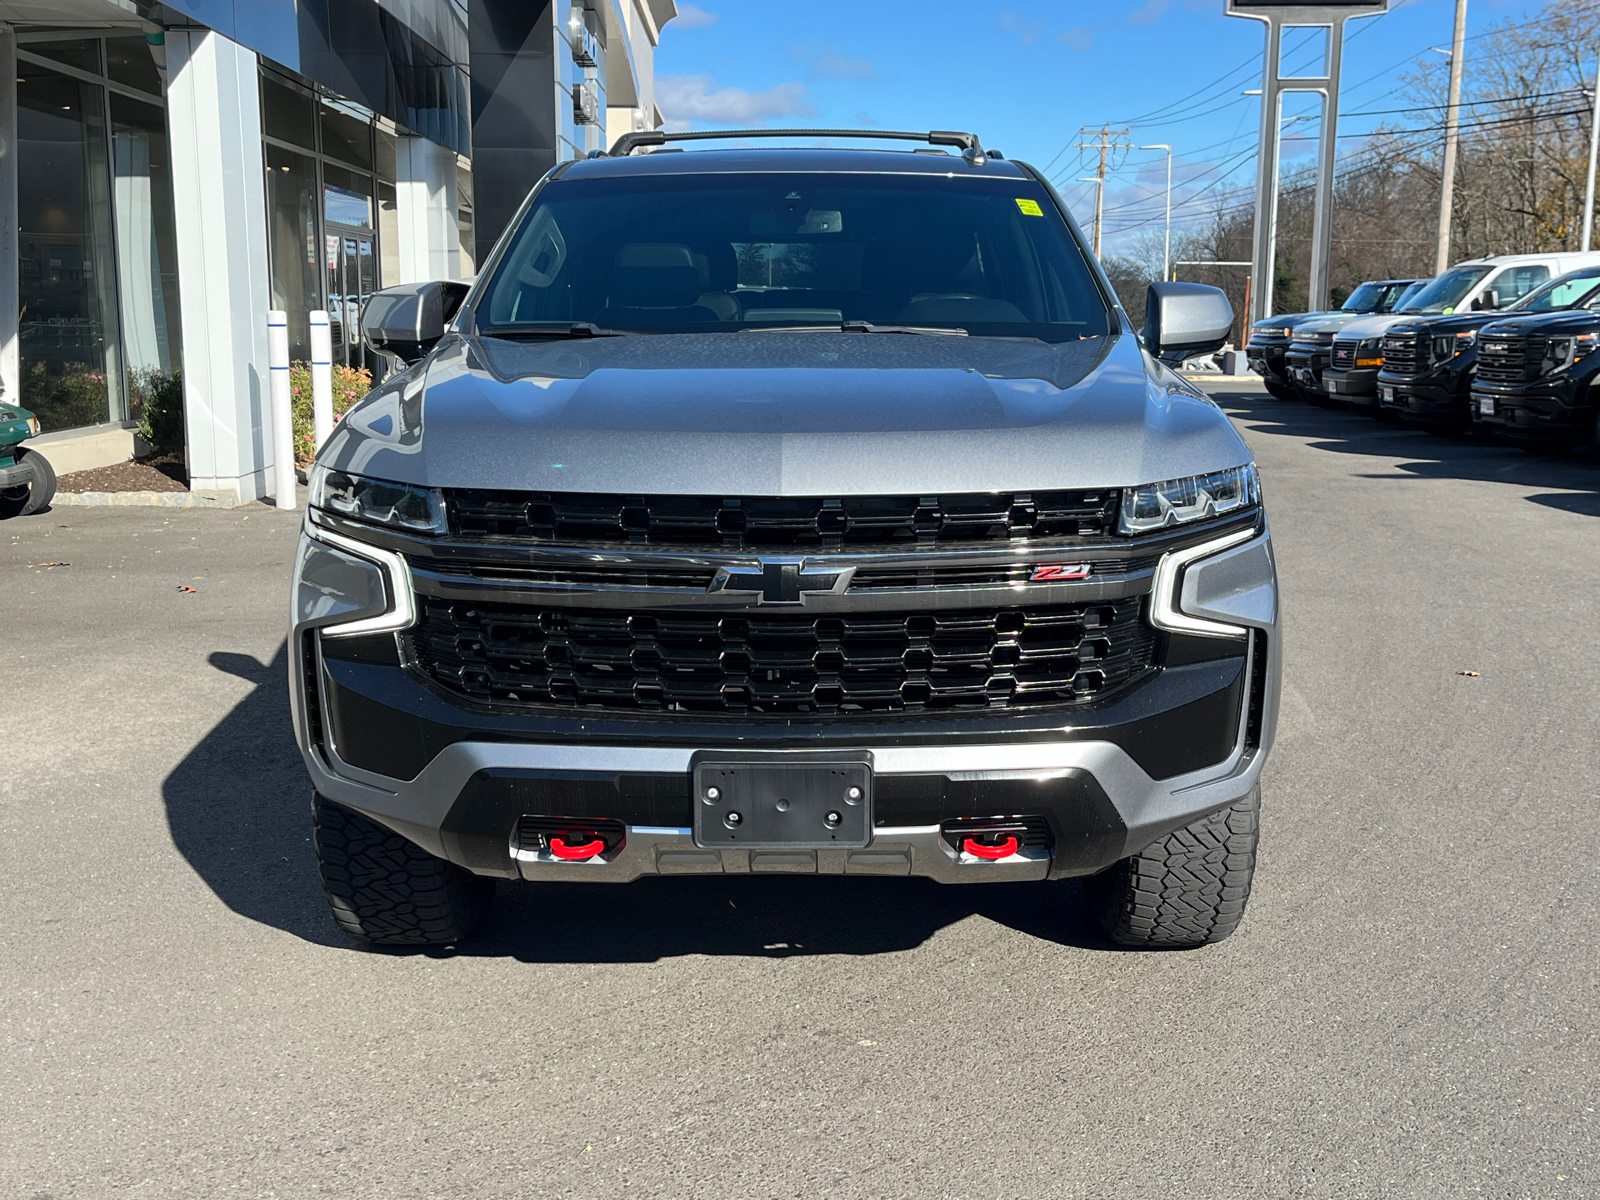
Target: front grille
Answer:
[[1509, 358], [780, 522], [1344, 356], [781, 665], [699, 578], [1401, 355]]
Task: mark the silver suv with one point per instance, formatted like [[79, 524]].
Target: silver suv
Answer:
[[795, 510]]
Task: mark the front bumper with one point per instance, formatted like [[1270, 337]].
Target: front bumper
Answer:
[[1356, 386], [1540, 412], [1423, 399], [1306, 370], [1266, 359], [1107, 780]]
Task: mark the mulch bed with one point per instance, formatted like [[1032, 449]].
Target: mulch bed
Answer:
[[155, 474]]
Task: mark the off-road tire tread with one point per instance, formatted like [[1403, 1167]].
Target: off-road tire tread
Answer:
[[388, 891], [1188, 889]]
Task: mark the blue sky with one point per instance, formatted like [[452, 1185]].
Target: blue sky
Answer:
[[1025, 76]]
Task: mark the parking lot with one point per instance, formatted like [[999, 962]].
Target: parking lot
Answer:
[[1410, 1008]]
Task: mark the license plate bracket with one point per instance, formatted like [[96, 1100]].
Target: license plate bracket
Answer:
[[773, 803], [1388, 394]]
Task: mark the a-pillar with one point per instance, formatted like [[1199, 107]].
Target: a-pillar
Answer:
[[426, 201], [10, 311], [213, 112]]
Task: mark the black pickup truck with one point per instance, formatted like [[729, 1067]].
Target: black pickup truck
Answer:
[[1281, 354], [1429, 363], [1538, 378]]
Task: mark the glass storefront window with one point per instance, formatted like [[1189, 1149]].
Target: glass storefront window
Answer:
[[147, 257], [67, 332], [350, 262], [83, 53], [129, 62], [292, 203], [347, 138], [287, 113]]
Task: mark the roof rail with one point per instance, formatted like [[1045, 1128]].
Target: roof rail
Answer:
[[971, 149]]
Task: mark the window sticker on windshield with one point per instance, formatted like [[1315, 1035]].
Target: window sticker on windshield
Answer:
[[1030, 208]]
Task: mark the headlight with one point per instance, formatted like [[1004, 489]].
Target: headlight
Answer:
[[401, 506], [345, 587], [1369, 352], [1561, 352], [1197, 498], [1466, 340], [33, 426]]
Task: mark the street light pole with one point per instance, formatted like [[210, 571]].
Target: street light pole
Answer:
[[1452, 134], [1099, 192], [1166, 252], [1594, 146]]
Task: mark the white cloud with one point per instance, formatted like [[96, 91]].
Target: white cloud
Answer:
[[1150, 13], [825, 63], [1079, 37], [692, 16], [687, 98]]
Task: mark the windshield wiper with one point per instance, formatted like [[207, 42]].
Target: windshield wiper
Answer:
[[576, 329], [856, 327]]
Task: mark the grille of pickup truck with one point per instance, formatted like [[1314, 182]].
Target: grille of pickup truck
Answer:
[[781, 665], [1344, 355], [583, 518], [1400, 353], [1509, 358]]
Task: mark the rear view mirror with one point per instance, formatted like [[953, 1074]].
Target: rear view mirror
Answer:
[[407, 321], [1182, 320]]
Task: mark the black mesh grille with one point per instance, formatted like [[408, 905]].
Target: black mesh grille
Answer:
[[764, 522], [782, 665], [1400, 353], [1515, 359]]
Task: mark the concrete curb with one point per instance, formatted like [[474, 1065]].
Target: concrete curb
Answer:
[[147, 499]]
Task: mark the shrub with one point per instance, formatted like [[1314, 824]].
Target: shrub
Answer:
[[157, 404], [77, 396], [349, 385]]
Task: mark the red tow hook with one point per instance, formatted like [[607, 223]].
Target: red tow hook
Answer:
[[568, 853], [976, 848]]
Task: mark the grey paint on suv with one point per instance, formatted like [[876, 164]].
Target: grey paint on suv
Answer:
[[742, 481]]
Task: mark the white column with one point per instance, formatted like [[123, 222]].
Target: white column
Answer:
[[425, 203], [10, 305], [219, 199]]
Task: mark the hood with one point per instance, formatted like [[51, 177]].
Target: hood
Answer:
[[1580, 320], [1363, 328], [1282, 320], [798, 414], [1328, 322], [1440, 326]]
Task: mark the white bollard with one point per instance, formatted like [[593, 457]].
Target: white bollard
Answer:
[[282, 407], [321, 378]]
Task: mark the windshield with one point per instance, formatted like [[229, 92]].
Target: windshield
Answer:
[[1445, 292], [714, 253], [1374, 297], [1563, 292], [1413, 290]]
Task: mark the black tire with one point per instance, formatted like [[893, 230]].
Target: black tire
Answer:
[[28, 498], [387, 891], [1188, 889]]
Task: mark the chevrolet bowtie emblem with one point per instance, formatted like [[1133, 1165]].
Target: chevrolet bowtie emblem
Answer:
[[781, 581]]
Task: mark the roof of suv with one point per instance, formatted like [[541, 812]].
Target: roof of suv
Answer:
[[775, 160]]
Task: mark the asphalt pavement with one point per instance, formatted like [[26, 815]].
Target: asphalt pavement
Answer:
[[1409, 1009]]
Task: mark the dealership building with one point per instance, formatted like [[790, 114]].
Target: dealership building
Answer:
[[169, 172]]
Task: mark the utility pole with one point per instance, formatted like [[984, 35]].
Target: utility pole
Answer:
[[1452, 134], [1107, 141], [1594, 148]]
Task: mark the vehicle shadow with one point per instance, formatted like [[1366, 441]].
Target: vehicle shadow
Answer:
[[238, 807], [1575, 474]]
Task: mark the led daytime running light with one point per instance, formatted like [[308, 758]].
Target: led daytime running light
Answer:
[[1196, 498]]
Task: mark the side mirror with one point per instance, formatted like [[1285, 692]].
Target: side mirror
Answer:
[[407, 321], [1494, 298], [1182, 320]]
